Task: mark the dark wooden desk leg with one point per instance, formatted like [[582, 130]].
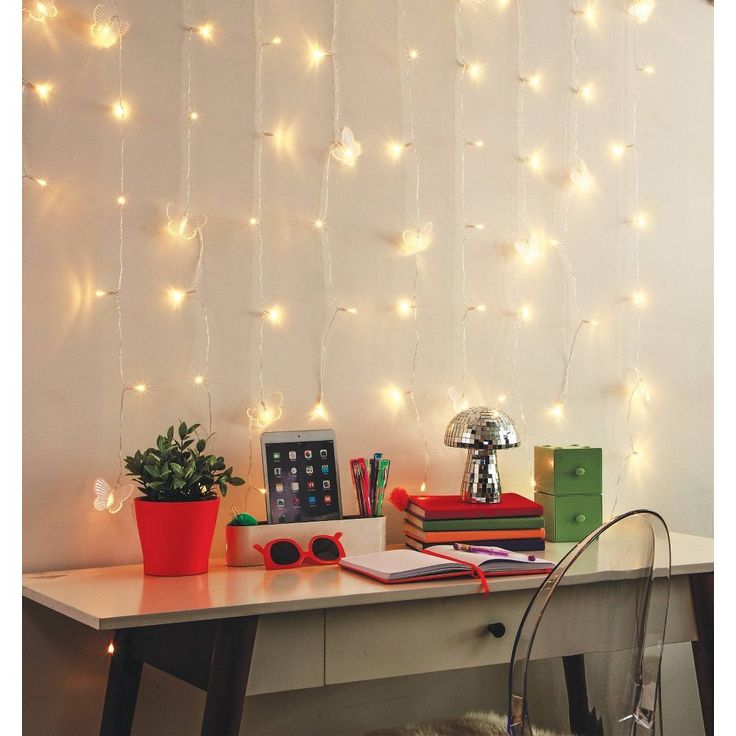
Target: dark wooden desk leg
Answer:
[[701, 587], [123, 680], [582, 719], [231, 656]]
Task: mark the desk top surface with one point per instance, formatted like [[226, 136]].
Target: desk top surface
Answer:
[[122, 597]]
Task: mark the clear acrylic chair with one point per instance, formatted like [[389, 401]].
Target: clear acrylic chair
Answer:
[[611, 634], [587, 654]]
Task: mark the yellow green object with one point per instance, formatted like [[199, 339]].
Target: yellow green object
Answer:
[[568, 470], [570, 518]]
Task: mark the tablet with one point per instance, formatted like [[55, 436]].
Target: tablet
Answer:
[[301, 476]]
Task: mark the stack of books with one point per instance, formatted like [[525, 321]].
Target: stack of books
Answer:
[[516, 523]]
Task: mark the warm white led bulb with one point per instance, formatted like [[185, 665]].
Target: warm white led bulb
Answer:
[[556, 410], [319, 224], [317, 54], [525, 313], [276, 41], [396, 396], [502, 398], [100, 292], [43, 90], [535, 81], [535, 162], [640, 220], [404, 307], [395, 149], [120, 110], [177, 296], [475, 144], [617, 150], [581, 178], [141, 388], [319, 411], [641, 10], [413, 54], [586, 92], [649, 69], [111, 648], [206, 31], [41, 182], [422, 488], [474, 70], [194, 115], [351, 310], [40, 11], [273, 315], [253, 221], [199, 380], [121, 200], [476, 226], [639, 298]]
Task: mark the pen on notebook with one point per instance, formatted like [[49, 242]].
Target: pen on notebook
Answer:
[[491, 551]]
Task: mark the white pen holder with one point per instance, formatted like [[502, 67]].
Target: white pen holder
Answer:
[[359, 536]]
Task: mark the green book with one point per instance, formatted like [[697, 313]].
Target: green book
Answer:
[[454, 525]]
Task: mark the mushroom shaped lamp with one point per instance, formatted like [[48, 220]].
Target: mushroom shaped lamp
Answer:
[[482, 431]]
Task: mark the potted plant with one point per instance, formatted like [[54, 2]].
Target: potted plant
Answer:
[[177, 513]]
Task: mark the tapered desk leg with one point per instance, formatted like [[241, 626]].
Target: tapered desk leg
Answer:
[[231, 656], [702, 591], [582, 719], [123, 680]]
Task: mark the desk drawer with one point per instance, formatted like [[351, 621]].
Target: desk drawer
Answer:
[[408, 638], [413, 637]]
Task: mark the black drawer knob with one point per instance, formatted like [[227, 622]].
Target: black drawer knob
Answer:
[[497, 629]]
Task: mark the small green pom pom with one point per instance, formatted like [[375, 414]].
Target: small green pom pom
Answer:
[[243, 520]]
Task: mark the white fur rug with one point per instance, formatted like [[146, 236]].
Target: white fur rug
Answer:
[[471, 724]]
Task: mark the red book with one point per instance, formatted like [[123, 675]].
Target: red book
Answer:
[[453, 507]]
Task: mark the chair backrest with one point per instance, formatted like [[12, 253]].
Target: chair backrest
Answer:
[[597, 625]]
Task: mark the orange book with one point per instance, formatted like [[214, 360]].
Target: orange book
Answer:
[[472, 536]]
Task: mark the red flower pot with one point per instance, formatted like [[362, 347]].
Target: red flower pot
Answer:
[[176, 536]]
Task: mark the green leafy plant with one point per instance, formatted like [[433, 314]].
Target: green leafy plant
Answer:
[[178, 469]]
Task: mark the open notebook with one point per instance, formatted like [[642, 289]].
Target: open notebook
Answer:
[[406, 565]]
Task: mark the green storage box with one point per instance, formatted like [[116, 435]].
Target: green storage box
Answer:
[[567, 471], [570, 518]]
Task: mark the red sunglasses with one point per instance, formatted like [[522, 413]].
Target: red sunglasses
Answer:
[[279, 554]]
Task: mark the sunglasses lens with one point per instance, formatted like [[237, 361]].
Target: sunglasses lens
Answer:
[[285, 553], [324, 548]]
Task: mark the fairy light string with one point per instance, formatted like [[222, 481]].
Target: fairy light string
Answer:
[[262, 414], [639, 12], [322, 223], [187, 225], [408, 57], [473, 70]]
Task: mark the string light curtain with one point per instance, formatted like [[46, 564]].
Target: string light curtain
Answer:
[[416, 239], [472, 70], [263, 413], [111, 497], [639, 11], [185, 225], [345, 150]]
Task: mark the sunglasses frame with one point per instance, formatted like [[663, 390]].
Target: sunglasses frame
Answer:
[[307, 555]]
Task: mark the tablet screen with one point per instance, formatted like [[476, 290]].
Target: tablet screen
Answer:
[[302, 481]]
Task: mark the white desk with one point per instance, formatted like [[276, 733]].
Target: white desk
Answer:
[[324, 620]]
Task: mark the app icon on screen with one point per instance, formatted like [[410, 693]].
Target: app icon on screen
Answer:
[[323, 454], [279, 488], [276, 456], [280, 503], [292, 454], [294, 486], [328, 499], [326, 484], [310, 485], [312, 500], [308, 454], [325, 470], [277, 471], [293, 471], [310, 469], [296, 501]]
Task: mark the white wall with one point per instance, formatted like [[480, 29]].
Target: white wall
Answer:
[[70, 231]]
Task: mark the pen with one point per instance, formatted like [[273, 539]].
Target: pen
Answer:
[[382, 481], [491, 551]]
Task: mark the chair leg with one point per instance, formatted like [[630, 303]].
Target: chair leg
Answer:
[[123, 680], [701, 587], [582, 719], [231, 657]]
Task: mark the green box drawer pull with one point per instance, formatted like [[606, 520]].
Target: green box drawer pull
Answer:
[[580, 471], [580, 518]]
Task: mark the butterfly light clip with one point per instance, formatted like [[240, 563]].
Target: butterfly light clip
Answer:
[[106, 28], [580, 177], [108, 498], [347, 150], [529, 248], [417, 240], [262, 414], [40, 11], [184, 224]]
